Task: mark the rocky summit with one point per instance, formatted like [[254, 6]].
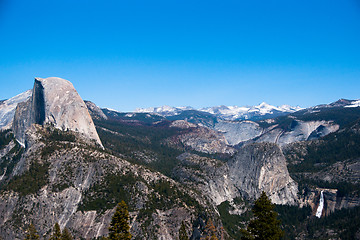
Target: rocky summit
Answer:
[[67, 161], [54, 101]]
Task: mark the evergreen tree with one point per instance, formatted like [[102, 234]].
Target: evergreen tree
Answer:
[[210, 231], [119, 226], [265, 225], [56, 235], [66, 235], [32, 233], [182, 232]]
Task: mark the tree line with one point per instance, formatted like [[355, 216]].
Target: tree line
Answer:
[[263, 226]]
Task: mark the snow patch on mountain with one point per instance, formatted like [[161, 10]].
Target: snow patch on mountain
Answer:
[[354, 104], [163, 110], [235, 112], [224, 112]]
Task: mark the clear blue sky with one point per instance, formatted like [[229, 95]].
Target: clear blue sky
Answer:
[[129, 54]]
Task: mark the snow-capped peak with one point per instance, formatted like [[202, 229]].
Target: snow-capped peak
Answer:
[[163, 110], [235, 112], [224, 112]]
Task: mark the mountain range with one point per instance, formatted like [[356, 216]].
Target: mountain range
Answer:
[[64, 160], [261, 111]]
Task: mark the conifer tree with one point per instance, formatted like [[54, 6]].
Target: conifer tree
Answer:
[[182, 232], [56, 235], [32, 233], [66, 235], [210, 231], [119, 226], [265, 225]]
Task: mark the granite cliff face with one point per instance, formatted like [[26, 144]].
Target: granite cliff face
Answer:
[[243, 132], [54, 101], [255, 168], [201, 139], [262, 167], [95, 111], [333, 201]]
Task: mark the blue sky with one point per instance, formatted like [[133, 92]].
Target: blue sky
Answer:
[[129, 54]]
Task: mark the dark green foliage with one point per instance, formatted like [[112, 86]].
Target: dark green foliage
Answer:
[[335, 147], [59, 187], [340, 146], [232, 223], [54, 134], [66, 235], [134, 138], [340, 115], [265, 225], [50, 148], [166, 196], [344, 224], [292, 217], [119, 227], [31, 181], [56, 234], [171, 196], [193, 116], [182, 232], [104, 195], [344, 188], [144, 118], [31, 233], [5, 138]]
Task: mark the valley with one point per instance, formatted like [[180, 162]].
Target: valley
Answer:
[[66, 160]]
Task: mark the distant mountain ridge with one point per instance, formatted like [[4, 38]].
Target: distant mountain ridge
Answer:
[[223, 112], [174, 165]]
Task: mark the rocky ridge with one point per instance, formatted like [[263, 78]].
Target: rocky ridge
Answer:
[[8, 107]]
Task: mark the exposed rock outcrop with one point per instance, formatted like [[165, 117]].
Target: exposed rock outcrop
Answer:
[[243, 131], [73, 180], [237, 132], [255, 168], [7, 109], [95, 111], [262, 167], [210, 176], [332, 200], [54, 101], [201, 139]]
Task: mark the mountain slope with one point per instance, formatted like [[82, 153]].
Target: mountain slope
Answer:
[[78, 186]]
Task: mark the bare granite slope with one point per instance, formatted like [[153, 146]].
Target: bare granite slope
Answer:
[[54, 101]]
